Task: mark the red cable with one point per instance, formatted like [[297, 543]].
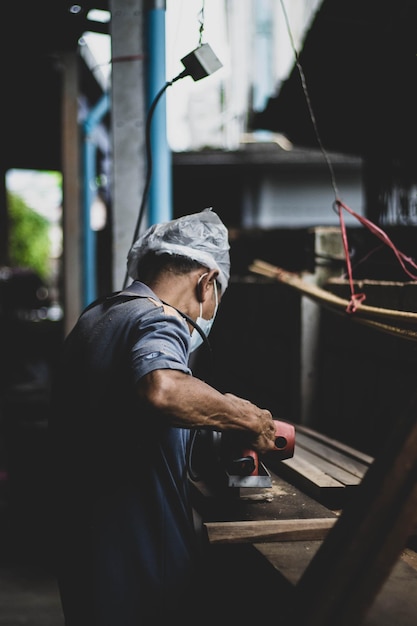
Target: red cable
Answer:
[[356, 299]]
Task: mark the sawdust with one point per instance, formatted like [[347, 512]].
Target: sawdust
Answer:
[[266, 495]]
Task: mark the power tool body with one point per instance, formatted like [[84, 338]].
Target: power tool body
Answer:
[[224, 459]]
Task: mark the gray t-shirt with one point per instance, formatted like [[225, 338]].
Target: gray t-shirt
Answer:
[[125, 542]]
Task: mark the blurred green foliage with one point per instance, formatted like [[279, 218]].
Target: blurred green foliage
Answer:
[[29, 241]]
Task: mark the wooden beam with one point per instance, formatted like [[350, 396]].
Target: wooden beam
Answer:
[[71, 216], [332, 455], [351, 565], [324, 468], [265, 530]]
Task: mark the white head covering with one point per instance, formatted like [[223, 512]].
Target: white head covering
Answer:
[[201, 236]]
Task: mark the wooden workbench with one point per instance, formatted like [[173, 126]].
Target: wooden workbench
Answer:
[[256, 570]]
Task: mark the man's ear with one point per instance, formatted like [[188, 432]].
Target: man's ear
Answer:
[[206, 284]]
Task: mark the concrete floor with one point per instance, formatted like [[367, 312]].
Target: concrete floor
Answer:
[[28, 591], [28, 595]]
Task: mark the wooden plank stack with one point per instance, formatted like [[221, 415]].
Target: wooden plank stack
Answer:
[[324, 468]]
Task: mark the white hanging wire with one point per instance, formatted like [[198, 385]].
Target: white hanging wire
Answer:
[[201, 20]]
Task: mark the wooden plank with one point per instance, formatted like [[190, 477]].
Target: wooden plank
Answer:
[[356, 558], [324, 468], [300, 468], [348, 451], [346, 478], [396, 603], [333, 459], [306, 475], [282, 501], [269, 530]]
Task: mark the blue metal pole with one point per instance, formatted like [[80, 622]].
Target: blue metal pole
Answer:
[[89, 189], [160, 189]]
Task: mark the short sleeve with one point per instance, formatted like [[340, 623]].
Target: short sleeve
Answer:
[[162, 342]]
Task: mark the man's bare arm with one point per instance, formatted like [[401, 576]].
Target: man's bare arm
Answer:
[[189, 402]]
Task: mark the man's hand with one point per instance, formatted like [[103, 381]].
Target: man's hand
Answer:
[[258, 421]]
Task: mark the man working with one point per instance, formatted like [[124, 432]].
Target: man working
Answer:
[[124, 403]]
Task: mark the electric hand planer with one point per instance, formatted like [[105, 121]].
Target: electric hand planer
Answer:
[[224, 459]]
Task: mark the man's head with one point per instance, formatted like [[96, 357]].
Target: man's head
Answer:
[[201, 237]]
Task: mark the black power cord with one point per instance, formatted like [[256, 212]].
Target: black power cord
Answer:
[[149, 159], [199, 63]]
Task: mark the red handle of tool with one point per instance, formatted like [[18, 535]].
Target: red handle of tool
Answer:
[[284, 440], [251, 454], [284, 445]]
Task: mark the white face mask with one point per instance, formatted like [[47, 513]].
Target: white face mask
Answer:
[[205, 325]]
